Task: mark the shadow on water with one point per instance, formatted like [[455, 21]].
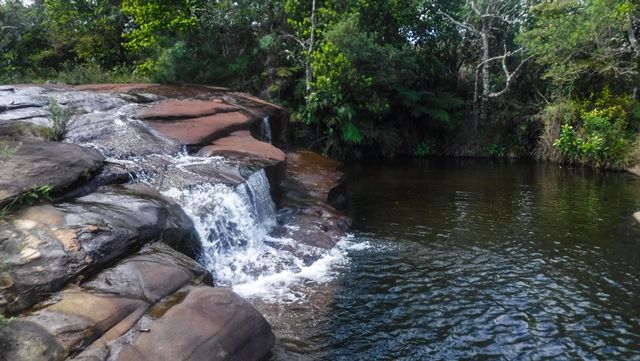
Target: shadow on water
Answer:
[[473, 259]]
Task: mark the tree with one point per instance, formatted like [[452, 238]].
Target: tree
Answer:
[[87, 31], [156, 24], [494, 22], [23, 39], [586, 44]]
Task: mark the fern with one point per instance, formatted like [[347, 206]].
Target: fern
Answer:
[[440, 115], [351, 133]]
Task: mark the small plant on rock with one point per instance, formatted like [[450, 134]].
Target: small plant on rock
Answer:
[[4, 321], [58, 121], [6, 151]]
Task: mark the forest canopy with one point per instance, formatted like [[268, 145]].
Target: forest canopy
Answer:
[[555, 79]]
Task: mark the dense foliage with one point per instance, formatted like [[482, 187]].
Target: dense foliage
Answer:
[[557, 79]]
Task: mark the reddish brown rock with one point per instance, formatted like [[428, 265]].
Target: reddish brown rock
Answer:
[[181, 109], [311, 182], [242, 146], [201, 131], [318, 174], [210, 324]]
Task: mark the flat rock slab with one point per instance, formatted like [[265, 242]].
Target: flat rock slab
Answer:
[[201, 131], [210, 324], [241, 146], [181, 109], [30, 165]]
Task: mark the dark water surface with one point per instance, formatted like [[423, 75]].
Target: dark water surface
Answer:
[[481, 260]]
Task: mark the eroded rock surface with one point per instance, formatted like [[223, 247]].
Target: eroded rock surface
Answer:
[[45, 247], [210, 324], [98, 312]]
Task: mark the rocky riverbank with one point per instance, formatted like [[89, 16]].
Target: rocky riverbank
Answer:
[[98, 263]]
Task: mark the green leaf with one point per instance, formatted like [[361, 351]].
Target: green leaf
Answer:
[[351, 133]]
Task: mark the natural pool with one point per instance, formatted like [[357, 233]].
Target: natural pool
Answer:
[[472, 259]]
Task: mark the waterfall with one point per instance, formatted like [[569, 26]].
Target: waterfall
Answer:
[[265, 129], [233, 224]]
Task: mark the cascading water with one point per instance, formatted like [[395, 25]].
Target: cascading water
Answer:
[[234, 224], [265, 129]]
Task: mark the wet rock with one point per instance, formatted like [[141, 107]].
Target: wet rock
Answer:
[[318, 175], [25, 114], [181, 109], [47, 246], [209, 324], [201, 131], [241, 146], [311, 181], [635, 170], [25, 98], [80, 317], [117, 135], [277, 116], [31, 165], [23, 340]]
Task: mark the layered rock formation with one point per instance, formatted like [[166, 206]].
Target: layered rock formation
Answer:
[[94, 264]]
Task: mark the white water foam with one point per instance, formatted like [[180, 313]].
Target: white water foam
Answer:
[[233, 225]]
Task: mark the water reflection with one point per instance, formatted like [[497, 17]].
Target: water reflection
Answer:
[[481, 260]]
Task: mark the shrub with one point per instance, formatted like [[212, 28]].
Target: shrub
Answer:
[[598, 132]]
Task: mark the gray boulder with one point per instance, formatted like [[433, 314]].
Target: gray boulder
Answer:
[[28, 165]]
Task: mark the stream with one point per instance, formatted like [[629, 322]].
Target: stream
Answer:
[[468, 259]]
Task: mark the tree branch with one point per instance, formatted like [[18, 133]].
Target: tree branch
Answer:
[[458, 23], [503, 56], [510, 76]]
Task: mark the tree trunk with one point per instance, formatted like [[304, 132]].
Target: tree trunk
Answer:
[[485, 33], [312, 41]]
